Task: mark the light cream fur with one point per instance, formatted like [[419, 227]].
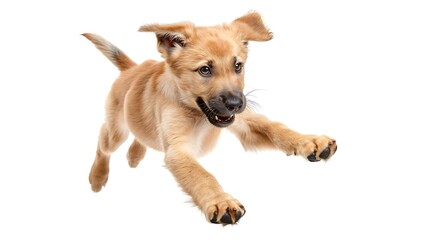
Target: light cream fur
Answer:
[[156, 102]]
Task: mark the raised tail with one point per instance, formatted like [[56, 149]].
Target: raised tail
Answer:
[[113, 53]]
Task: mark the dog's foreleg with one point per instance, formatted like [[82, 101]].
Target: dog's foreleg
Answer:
[[206, 192], [255, 132]]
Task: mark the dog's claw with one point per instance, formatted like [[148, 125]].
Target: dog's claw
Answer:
[[226, 218], [231, 216], [325, 153], [322, 148], [312, 157], [238, 215], [214, 218]]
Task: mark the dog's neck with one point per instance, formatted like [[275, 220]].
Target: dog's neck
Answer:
[[167, 85]]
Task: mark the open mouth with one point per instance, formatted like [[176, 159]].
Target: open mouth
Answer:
[[214, 116]]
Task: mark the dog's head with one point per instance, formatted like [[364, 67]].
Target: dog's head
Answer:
[[207, 63]]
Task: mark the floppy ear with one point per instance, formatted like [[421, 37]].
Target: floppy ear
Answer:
[[252, 28], [170, 36]]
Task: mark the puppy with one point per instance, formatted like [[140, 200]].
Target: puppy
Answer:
[[180, 106]]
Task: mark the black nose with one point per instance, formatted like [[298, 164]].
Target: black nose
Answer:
[[234, 102]]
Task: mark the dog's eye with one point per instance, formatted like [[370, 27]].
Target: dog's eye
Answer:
[[238, 67], [205, 71]]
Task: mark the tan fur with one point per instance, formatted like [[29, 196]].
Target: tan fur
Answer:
[[156, 102]]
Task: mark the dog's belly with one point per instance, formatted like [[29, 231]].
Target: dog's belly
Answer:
[[153, 143], [146, 134], [144, 127]]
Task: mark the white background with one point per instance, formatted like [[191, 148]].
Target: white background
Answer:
[[354, 70]]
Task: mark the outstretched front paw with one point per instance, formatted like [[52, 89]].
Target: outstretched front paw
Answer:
[[316, 148], [225, 211]]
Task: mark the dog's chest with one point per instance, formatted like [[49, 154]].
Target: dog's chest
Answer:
[[204, 138]]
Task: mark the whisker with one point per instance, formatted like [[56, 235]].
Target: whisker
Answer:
[[252, 104], [250, 93]]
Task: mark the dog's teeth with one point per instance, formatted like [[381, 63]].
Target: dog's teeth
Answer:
[[216, 118]]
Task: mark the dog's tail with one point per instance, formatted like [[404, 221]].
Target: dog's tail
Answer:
[[113, 53]]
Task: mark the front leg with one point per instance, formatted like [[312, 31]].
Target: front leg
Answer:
[[255, 132], [206, 192], [182, 137]]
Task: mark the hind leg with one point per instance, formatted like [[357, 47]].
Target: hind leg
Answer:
[[112, 135], [135, 153]]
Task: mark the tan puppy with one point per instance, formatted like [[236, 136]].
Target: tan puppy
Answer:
[[180, 105]]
